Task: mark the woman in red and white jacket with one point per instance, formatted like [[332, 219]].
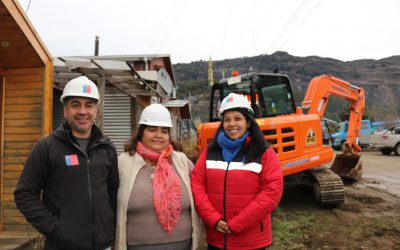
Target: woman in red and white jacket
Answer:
[[237, 182]]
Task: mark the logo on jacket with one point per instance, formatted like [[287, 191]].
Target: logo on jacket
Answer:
[[71, 160]]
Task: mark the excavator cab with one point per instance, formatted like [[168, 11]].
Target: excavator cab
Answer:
[[270, 95]]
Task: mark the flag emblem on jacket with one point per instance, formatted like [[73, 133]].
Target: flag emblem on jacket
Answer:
[[71, 160], [86, 89]]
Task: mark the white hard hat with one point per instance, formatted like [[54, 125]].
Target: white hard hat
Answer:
[[156, 115], [233, 101], [80, 87]]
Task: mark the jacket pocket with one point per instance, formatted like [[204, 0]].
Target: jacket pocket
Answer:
[[261, 226]]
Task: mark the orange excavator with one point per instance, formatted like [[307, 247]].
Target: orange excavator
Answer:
[[296, 133]]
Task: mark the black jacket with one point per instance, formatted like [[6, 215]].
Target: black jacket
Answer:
[[79, 200]]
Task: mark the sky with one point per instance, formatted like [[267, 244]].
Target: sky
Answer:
[[192, 30]]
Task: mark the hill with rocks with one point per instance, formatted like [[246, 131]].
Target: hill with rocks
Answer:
[[380, 78]]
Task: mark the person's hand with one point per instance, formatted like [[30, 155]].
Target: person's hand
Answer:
[[222, 227]]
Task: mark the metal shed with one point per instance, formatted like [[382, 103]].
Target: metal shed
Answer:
[[127, 84]]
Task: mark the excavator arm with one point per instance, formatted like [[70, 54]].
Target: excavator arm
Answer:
[[317, 96]]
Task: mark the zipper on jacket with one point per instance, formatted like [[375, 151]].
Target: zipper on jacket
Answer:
[[224, 206], [90, 199], [91, 147]]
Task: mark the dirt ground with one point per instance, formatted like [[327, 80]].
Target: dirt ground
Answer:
[[368, 219]]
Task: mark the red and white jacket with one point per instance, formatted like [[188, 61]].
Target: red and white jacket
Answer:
[[244, 195]]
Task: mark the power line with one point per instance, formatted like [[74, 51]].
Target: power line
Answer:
[[167, 31], [288, 24], [163, 23], [27, 8], [309, 13]]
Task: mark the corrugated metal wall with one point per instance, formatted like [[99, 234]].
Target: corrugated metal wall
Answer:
[[117, 119]]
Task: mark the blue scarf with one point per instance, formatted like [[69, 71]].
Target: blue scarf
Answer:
[[230, 147]]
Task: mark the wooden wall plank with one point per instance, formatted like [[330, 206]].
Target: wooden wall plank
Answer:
[[11, 175], [14, 160], [19, 145], [24, 100], [24, 71], [22, 138], [9, 190], [10, 183], [14, 220], [24, 78], [21, 93], [8, 197], [9, 205], [20, 228], [24, 85], [12, 213], [23, 107], [22, 115], [13, 167], [22, 123], [24, 130]]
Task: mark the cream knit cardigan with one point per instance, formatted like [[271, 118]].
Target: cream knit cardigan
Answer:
[[129, 166]]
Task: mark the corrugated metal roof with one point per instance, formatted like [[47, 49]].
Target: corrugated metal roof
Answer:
[[175, 103], [182, 105]]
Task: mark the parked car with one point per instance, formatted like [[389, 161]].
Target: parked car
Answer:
[[367, 128], [387, 140]]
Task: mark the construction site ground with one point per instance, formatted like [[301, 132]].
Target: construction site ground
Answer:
[[368, 219]]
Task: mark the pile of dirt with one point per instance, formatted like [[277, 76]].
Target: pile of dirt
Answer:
[[368, 219]]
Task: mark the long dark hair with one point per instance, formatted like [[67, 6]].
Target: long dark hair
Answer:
[[130, 146], [256, 147]]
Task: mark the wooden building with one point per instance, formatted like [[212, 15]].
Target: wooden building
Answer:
[[26, 85], [30, 78]]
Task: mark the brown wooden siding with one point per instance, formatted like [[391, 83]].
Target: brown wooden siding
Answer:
[[26, 49], [25, 105]]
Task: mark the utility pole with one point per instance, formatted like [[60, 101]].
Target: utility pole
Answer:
[[210, 73]]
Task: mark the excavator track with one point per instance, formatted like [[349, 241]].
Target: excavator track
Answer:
[[328, 187]]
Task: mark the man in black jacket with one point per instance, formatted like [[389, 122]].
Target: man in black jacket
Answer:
[[75, 172]]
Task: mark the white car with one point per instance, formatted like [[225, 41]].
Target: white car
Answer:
[[387, 140]]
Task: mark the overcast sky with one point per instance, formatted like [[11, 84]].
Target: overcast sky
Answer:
[[191, 30]]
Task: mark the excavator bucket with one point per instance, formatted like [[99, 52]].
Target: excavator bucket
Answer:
[[348, 166]]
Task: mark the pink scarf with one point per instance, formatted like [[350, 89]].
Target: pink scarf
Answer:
[[166, 187]]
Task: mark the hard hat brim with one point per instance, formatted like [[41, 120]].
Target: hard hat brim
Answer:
[[157, 124], [88, 96]]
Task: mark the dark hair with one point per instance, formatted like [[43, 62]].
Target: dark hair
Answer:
[[130, 146], [257, 146]]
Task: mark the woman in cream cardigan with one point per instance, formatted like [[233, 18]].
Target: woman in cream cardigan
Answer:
[[155, 203]]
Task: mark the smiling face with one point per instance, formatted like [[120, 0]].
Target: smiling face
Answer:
[[235, 124], [156, 138], [80, 114]]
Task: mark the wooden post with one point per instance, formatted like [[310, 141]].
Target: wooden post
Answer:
[[101, 85]]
